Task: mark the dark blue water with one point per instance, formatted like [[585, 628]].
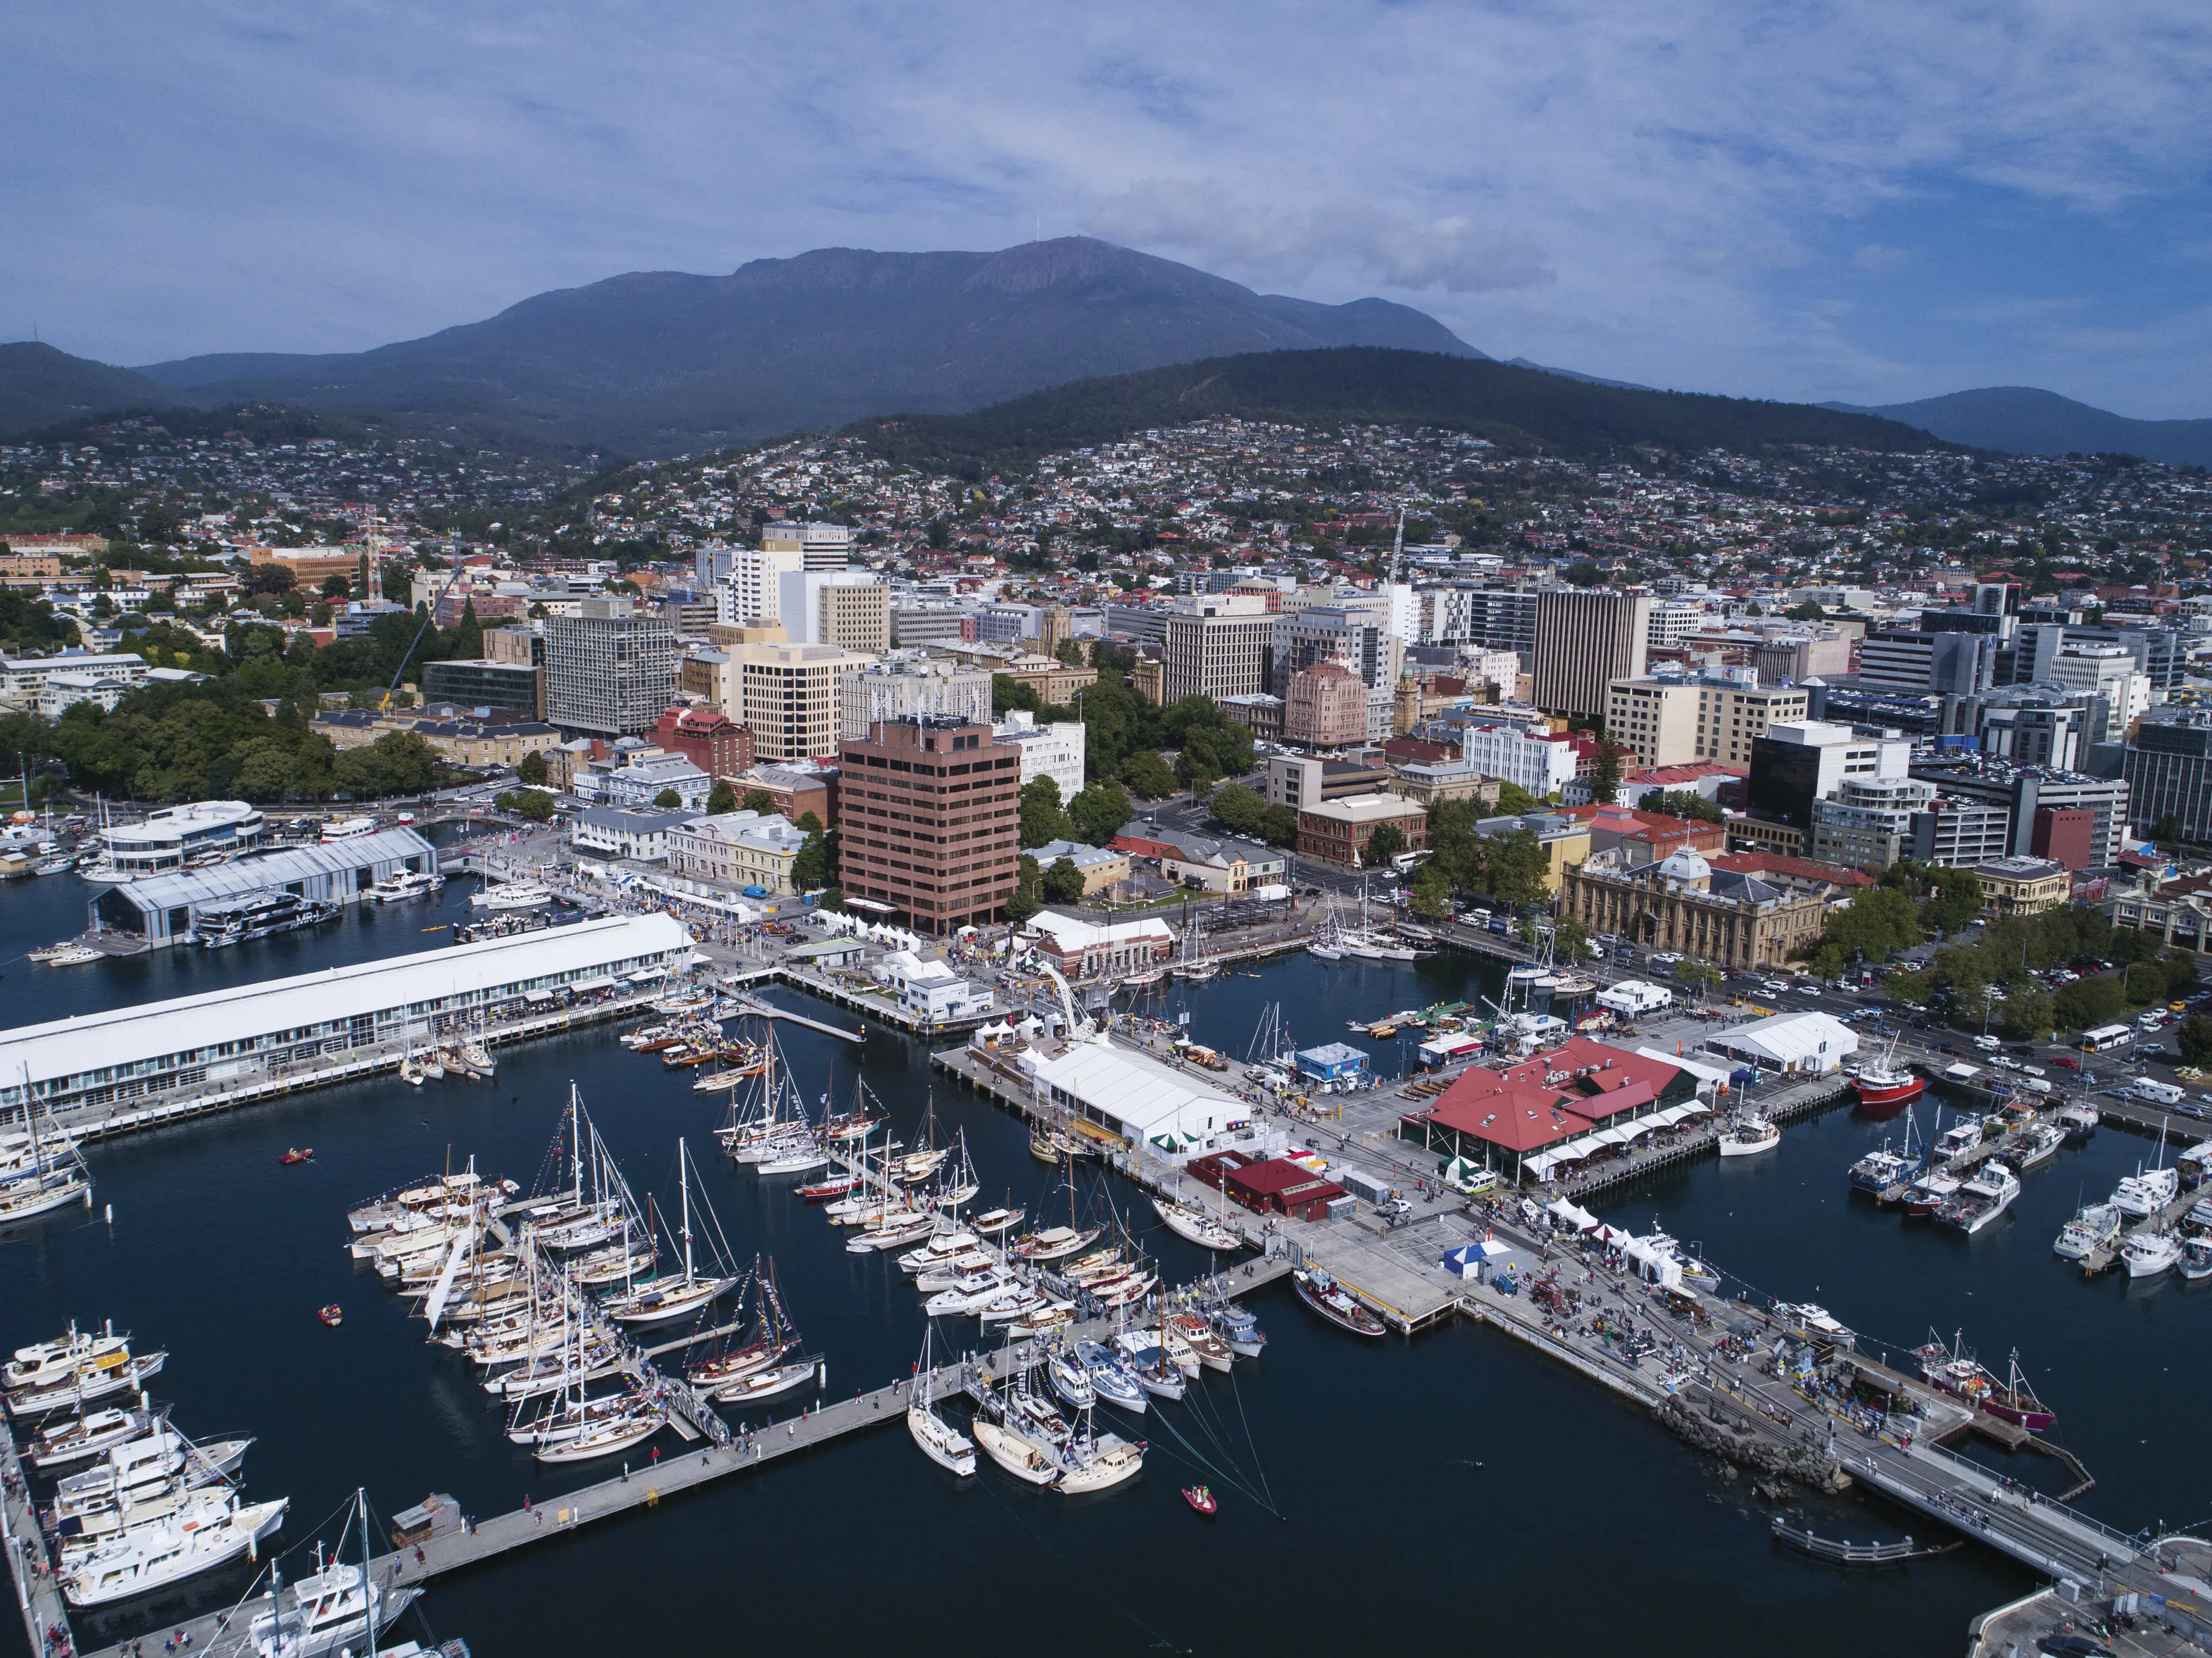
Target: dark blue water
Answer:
[[1583, 1524]]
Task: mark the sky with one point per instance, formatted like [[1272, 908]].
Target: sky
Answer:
[[1868, 201]]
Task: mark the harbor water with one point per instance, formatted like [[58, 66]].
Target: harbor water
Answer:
[[1451, 1492]]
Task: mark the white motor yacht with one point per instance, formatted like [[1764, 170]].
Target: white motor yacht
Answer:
[[512, 895], [2146, 1192], [140, 1562]]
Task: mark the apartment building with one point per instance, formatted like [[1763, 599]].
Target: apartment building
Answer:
[[929, 828], [610, 669]]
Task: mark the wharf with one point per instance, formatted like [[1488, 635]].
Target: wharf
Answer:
[[36, 1595], [346, 1064], [752, 1008]]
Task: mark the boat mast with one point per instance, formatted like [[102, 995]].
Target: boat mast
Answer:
[[684, 1180]]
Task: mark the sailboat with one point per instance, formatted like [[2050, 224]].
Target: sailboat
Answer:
[[659, 1300], [49, 1173], [1328, 941], [770, 1337], [940, 1441], [1192, 960], [1190, 1222]]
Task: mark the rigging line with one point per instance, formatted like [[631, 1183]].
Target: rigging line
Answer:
[[1227, 1476], [1118, 1604], [1239, 1394]]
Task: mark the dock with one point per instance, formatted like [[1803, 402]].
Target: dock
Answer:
[[751, 1007]]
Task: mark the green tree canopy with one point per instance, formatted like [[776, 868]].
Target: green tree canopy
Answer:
[[722, 798], [2087, 1003], [1956, 900], [532, 769], [1042, 819], [1099, 812], [1385, 843], [2194, 1040], [1605, 772], [1878, 922], [1513, 800], [1149, 777], [1686, 803], [668, 800], [1239, 810], [759, 800], [1063, 883]]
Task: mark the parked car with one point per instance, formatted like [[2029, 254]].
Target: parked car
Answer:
[[2066, 1059]]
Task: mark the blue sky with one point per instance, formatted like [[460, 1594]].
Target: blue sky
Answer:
[[1870, 202]]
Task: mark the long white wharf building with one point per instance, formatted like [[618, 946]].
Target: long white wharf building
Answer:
[[102, 1058]]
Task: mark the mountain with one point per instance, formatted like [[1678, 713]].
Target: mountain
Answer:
[[2021, 419], [1576, 374], [40, 386], [1519, 409], [659, 362]]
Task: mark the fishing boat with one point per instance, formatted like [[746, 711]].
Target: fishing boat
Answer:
[[1195, 1225], [2095, 1226], [1880, 1171], [1749, 1134], [2037, 1144], [2196, 1262], [2151, 1251], [1239, 1328], [1933, 1188], [1884, 1087], [2013, 1401], [1960, 1137], [2146, 1192], [2079, 1121], [939, 1440], [1980, 1200], [1335, 1303]]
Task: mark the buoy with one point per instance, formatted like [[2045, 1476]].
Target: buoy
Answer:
[[111, 1214]]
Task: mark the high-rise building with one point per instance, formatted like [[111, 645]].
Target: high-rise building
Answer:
[[1868, 824], [849, 608], [2109, 676], [2023, 791], [1958, 833], [752, 592], [2168, 771], [1217, 647], [1357, 638], [791, 696], [610, 669], [1054, 749], [1584, 641], [1673, 721], [928, 823], [819, 546]]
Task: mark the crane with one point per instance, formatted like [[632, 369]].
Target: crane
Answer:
[[428, 619], [1079, 1029]]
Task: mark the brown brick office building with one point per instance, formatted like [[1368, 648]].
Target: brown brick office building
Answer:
[[928, 823]]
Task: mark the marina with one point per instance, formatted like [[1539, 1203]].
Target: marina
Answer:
[[868, 1323]]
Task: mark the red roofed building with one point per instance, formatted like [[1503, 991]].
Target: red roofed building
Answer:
[[1830, 881], [1653, 834], [1499, 1117], [1278, 1186]]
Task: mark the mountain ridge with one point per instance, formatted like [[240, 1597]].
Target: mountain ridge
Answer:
[[2026, 420]]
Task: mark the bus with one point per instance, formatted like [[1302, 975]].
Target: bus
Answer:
[[2105, 1037]]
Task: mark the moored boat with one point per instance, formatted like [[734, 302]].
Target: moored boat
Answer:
[[1334, 1302]]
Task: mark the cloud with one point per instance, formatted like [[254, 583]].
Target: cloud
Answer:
[[1273, 243], [1666, 194]]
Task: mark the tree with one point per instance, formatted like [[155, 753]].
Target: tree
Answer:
[[1698, 976], [533, 769], [1518, 867], [534, 803], [1149, 777], [1279, 826], [2194, 1039], [2029, 1013], [668, 800], [759, 800], [722, 798], [1063, 882], [1385, 843], [1513, 800], [337, 587], [1956, 900], [1810, 610], [1043, 820], [1605, 772], [1878, 922], [2167, 828], [1239, 810], [1570, 939], [814, 865], [2087, 1003], [1686, 803], [1429, 892], [1027, 881], [1915, 988], [1099, 812]]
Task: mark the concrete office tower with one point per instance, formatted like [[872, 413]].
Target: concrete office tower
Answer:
[[610, 669], [751, 592], [1217, 647], [1798, 761], [2168, 771], [849, 608], [819, 546], [791, 696], [2108, 674], [1584, 641], [1325, 707], [929, 823], [912, 685], [1676, 721]]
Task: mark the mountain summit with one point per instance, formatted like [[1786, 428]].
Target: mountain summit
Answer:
[[2024, 420], [658, 363]]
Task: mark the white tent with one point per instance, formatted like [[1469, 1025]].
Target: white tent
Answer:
[[1809, 1042], [1581, 1219]]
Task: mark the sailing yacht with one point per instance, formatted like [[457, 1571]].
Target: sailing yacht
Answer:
[[940, 1441], [659, 1300], [1327, 941], [770, 1338], [1192, 960], [1186, 1221], [1094, 1462]]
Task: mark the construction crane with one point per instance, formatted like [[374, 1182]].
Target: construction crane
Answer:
[[1079, 1029], [429, 620]]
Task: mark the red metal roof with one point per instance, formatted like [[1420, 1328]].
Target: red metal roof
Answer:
[[1280, 1177]]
